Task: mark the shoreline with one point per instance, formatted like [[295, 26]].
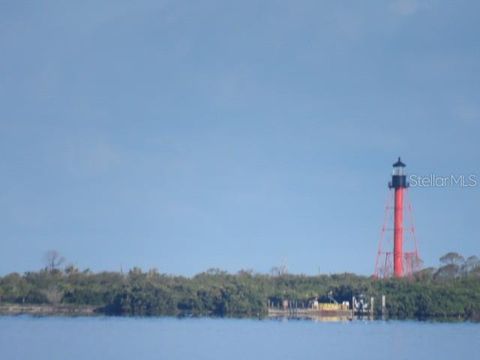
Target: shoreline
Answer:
[[48, 310], [88, 310]]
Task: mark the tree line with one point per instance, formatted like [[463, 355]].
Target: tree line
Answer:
[[450, 291]]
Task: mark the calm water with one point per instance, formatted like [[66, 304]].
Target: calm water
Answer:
[[167, 338]]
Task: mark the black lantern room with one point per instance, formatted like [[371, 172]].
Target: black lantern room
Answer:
[[399, 179]]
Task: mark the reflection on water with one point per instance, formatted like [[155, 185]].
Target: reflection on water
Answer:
[[312, 318], [51, 338]]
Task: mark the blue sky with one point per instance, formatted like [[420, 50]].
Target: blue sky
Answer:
[[184, 135]]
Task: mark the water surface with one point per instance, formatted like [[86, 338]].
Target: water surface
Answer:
[[50, 338]]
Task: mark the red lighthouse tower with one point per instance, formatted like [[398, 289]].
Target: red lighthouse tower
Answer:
[[399, 184], [405, 261]]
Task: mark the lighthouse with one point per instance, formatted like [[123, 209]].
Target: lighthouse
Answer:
[[399, 257], [398, 184]]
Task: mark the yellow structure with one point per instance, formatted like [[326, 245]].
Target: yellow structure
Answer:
[[329, 306]]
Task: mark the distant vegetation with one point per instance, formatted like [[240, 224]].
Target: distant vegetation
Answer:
[[450, 291]]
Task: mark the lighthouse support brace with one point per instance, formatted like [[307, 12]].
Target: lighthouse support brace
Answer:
[[398, 233]]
